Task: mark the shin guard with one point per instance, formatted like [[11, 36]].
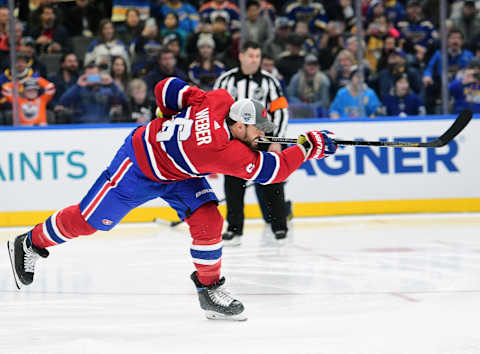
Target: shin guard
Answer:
[[206, 250], [60, 227]]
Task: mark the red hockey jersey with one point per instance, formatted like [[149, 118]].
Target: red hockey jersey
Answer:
[[192, 140]]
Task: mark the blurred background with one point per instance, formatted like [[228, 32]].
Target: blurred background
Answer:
[[314, 48]]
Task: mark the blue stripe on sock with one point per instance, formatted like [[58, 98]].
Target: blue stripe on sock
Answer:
[[215, 254], [51, 232]]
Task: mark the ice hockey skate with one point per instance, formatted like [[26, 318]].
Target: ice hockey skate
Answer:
[[281, 236], [217, 302], [231, 238], [23, 256]]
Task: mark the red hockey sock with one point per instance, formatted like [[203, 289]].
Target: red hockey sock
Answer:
[[206, 250], [65, 224]]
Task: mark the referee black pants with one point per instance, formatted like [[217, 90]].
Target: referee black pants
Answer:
[[272, 196]]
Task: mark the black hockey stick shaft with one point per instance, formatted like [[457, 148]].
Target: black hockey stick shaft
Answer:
[[178, 222], [458, 125]]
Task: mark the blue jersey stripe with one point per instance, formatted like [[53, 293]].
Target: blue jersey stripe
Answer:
[[267, 169], [51, 232], [173, 150], [171, 96], [210, 255]]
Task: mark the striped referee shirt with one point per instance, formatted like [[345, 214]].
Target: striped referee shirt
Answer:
[[261, 86]]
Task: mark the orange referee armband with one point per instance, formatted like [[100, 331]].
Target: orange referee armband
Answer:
[[279, 103]]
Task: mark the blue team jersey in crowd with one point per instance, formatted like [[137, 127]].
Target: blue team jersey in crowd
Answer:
[[202, 77], [187, 14], [348, 106], [394, 11], [228, 7], [92, 105], [409, 105], [434, 67], [465, 96], [422, 33], [313, 13]]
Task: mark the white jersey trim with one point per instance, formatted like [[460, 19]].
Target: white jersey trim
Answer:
[[151, 155]]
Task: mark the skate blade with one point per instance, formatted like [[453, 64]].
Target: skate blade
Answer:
[[211, 315], [233, 243], [11, 255]]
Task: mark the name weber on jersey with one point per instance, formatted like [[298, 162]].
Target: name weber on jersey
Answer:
[[202, 127]]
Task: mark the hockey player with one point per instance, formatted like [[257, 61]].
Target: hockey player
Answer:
[[196, 133]]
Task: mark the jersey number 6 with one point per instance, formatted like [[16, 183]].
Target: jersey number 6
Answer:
[[168, 129]]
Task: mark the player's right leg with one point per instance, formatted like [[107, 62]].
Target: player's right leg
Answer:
[[196, 203], [205, 227]]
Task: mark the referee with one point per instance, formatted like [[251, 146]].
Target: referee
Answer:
[[249, 81]]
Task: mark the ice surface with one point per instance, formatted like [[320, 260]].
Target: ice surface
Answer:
[[391, 284]]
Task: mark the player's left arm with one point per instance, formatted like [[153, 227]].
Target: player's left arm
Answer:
[[238, 160], [277, 107]]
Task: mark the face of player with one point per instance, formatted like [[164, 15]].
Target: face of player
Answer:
[[248, 134], [250, 61]]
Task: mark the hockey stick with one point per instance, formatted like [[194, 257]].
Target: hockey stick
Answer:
[[458, 125], [178, 222]]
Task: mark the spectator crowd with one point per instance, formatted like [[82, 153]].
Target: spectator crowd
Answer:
[[87, 61]]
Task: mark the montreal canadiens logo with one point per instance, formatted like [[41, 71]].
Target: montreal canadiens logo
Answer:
[[107, 222]]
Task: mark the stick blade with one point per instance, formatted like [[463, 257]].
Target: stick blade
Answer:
[[460, 123]]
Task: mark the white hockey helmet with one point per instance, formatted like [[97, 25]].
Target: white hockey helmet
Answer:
[[250, 112]]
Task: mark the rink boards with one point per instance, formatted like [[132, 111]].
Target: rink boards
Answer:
[[47, 168]]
